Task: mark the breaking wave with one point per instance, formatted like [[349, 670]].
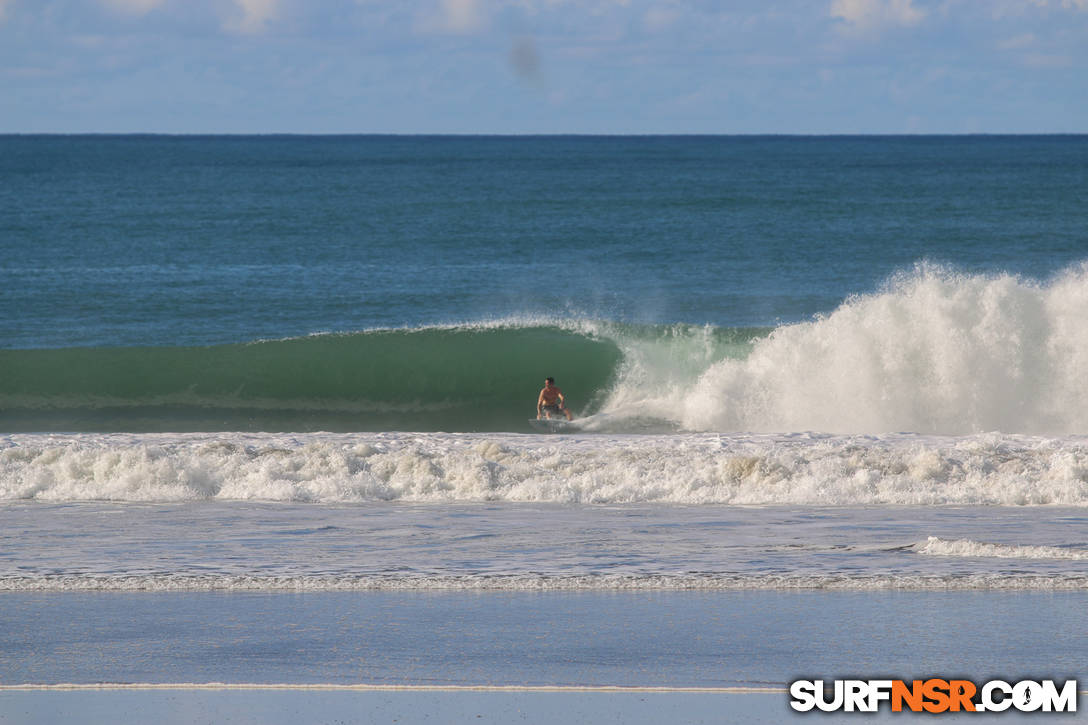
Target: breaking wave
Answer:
[[935, 546], [934, 352]]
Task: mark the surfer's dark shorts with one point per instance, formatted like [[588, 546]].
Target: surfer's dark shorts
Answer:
[[553, 408]]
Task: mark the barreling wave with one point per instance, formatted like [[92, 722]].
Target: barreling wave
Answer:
[[472, 377], [455, 378], [934, 352]]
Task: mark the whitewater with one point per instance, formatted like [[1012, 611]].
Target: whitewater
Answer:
[[935, 351], [929, 435], [262, 546], [264, 410], [328, 468], [596, 512]]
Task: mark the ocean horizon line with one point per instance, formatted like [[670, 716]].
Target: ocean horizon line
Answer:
[[480, 135]]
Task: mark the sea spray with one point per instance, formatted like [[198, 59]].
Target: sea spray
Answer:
[[934, 352]]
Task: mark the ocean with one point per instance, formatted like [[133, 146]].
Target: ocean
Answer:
[[253, 388]]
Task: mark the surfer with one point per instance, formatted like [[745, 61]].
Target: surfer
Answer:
[[551, 401]]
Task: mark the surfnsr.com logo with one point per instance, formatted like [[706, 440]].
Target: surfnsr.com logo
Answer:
[[933, 695]]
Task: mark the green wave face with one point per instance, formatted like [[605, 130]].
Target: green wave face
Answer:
[[430, 379]]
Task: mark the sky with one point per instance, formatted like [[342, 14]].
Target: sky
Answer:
[[544, 66]]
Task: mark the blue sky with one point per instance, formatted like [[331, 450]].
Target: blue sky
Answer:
[[544, 66]]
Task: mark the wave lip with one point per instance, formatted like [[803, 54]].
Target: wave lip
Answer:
[[466, 377], [935, 352]]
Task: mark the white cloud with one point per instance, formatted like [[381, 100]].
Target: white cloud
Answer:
[[1015, 8], [1002, 9], [456, 16], [133, 7], [256, 14], [871, 15], [660, 18]]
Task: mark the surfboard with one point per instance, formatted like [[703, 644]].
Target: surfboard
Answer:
[[551, 425]]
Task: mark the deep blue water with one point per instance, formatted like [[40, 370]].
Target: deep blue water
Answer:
[[132, 267], [656, 278], [148, 240]]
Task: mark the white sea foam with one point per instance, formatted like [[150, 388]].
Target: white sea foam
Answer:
[[935, 352], [935, 546], [675, 469], [536, 582]]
